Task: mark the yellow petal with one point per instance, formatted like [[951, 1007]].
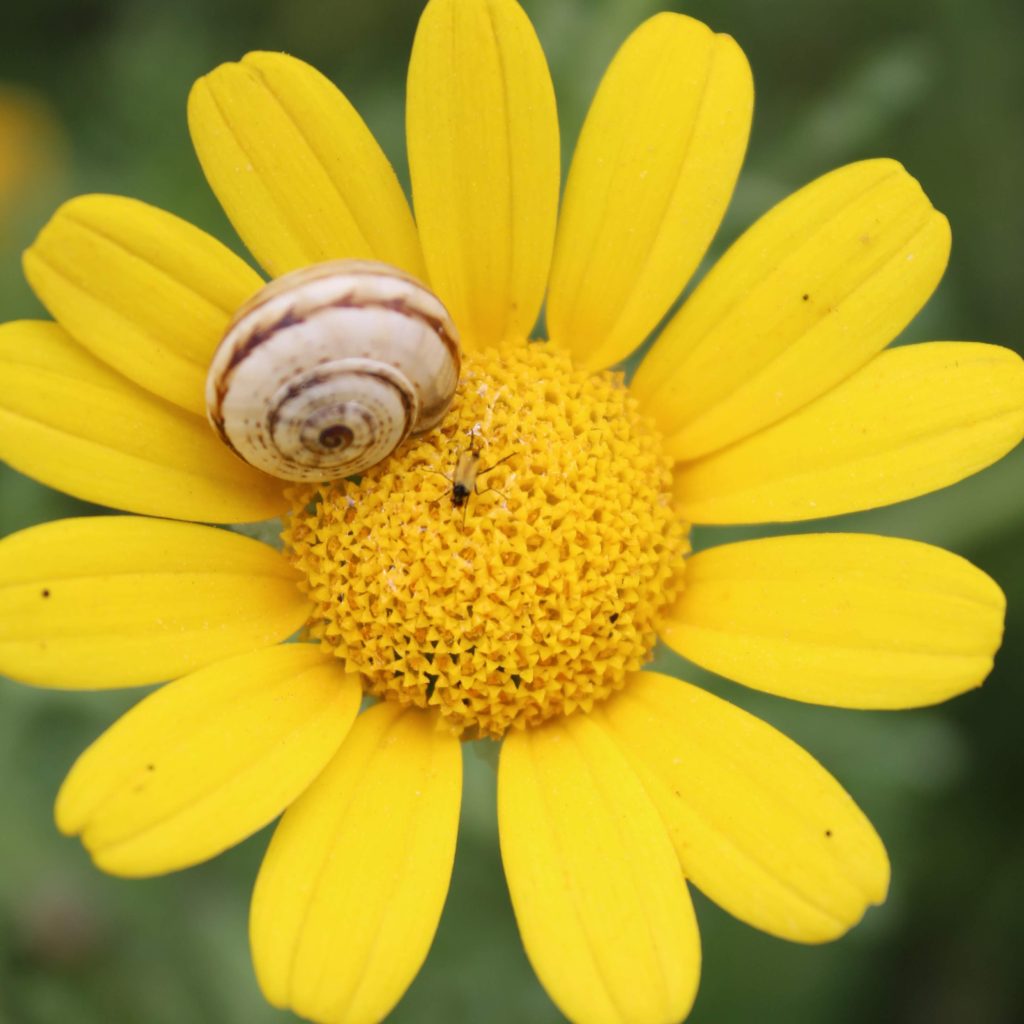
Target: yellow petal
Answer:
[[652, 176], [123, 601], [295, 168], [144, 291], [351, 889], [73, 423], [483, 152], [844, 619], [208, 760], [913, 420], [810, 293], [601, 904], [759, 826]]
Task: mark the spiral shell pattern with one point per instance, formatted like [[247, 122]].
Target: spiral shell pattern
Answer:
[[325, 371]]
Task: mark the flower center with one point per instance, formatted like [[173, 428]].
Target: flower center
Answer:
[[510, 565]]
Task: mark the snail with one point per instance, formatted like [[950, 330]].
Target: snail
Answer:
[[326, 370]]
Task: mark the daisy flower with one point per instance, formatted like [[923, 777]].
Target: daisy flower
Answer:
[[526, 616]]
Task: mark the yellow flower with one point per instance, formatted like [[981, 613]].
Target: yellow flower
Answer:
[[526, 615]]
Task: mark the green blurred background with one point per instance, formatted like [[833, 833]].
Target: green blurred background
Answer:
[[938, 84]]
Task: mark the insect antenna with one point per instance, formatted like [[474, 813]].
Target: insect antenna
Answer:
[[484, 472]]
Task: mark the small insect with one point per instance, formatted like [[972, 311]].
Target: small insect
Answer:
[[467, 472]]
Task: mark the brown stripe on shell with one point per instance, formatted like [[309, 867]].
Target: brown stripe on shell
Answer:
[[322, 378], [318, 271], [217, 421], [249, 344], [433, 323], [291, 319]]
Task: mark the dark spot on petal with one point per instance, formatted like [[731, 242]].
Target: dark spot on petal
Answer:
[[828, 833], [806, 297], [46, 593]]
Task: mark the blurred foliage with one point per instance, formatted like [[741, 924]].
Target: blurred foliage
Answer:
[[939, 85]]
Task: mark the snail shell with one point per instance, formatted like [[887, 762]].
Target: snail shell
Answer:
[[325, 371]]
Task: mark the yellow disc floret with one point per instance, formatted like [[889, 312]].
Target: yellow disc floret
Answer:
[[512, 564]]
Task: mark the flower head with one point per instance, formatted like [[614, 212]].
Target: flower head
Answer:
[[507, 573]]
